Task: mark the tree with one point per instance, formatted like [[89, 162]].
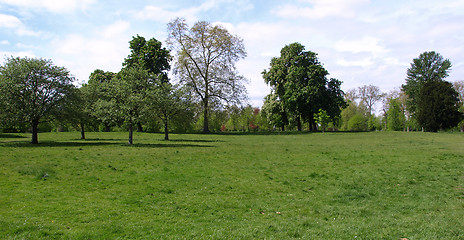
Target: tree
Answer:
[[205, 62], [369, 95], [34, 90], [322, 119], [300, 81], [459, 87], [438, 106], [167, 102], [273, 110], [395, 116], [98, 95], [150, 55], [129, 95], [428, 67]]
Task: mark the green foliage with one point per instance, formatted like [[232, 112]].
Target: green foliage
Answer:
[[322, 119], [374, 123], [170, 103], [395, 116], [149, 55], [98, 95], [428, 67], [300, 82], [274, 112], [357, 123], [354, 109], [32, 91], [438, 106], [376, 185], [128, 91]]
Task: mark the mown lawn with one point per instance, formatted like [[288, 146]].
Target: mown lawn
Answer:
[[379, 185]]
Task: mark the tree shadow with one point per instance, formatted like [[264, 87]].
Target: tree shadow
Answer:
[[11, 135], [154, 145], [44, 144], [193, 140]]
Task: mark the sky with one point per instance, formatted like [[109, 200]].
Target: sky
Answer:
[[360, 42]]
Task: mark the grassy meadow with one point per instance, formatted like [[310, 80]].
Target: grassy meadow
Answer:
[[377, 185]]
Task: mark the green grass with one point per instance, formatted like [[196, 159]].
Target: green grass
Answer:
[[379, 185]]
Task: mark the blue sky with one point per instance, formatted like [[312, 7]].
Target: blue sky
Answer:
[[360, 42]]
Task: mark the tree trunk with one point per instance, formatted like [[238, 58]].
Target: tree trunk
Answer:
[[166, 132], [35, 131], [107, 127], [283, 128], [205, 116], [82, 131], [298, 123], [130, 133]]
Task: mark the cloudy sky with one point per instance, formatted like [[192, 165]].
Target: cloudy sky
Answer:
[[360, 42]]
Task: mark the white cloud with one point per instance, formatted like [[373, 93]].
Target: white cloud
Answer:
[[4, 42], [56, 6], [366, 62], [105, 50], [366, 44], [318, 9], [8, 21], [161, 14], [12, 22]]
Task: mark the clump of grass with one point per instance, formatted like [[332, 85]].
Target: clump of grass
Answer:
[[40, 172]]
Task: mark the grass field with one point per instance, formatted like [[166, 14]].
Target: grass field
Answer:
[[379, 185]]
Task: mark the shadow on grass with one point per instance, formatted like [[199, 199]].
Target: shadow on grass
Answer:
[[11, 135], [193, 140], [24, 144], [151, 145]]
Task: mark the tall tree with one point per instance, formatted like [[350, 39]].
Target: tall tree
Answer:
[[369, 95], [33, 91], [428, 67], [300, 81], [438, 106], [205, 62], [150, 55]]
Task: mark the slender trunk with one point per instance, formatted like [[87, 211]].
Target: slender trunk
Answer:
[[107, 127], [166, 132], [205, 116], [283, 128], [35, 131], [298, 123], [130, 133], [82, 131]]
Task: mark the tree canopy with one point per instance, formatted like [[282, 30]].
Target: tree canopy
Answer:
[[33, 90], [428, 67], [149, 55], [300, 81], [438, 107], [205, 62]]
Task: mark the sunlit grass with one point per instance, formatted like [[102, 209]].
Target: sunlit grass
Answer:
[[328, 186]]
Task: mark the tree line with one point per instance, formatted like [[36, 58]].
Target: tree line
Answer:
[[210, 94]]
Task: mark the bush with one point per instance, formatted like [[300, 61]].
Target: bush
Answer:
[[357, 123]]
